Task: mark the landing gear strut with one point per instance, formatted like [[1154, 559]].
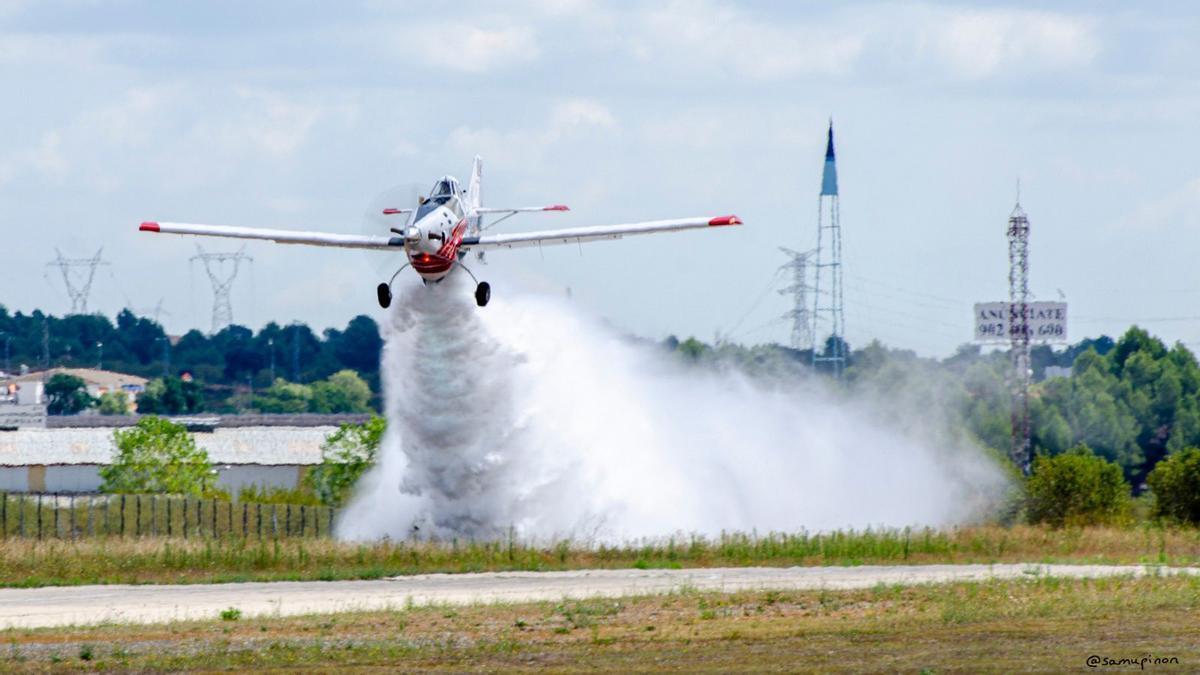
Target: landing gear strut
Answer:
[[483, 293], [384, 291]]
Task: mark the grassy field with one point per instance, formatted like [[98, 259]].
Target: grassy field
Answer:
[[1036, 624], [27, 563]]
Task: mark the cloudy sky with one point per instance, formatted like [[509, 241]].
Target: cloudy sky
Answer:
[[299, 114]]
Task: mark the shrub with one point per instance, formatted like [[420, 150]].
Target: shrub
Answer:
[[114, 403], [345, 455], [342, 392], [170, 396], [1176, 486], [157, 456], [1076, 488]]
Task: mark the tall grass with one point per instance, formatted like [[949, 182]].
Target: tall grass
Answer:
[[25, 562]]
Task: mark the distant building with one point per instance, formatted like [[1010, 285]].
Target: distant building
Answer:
[[263, 450], [98, 382]]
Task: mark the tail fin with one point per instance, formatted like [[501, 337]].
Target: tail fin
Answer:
[[475, 194]]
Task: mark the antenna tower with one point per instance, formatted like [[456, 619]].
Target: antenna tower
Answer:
[[1018, 298], [78, 291], [829, 307], [800, 316], [222, 270]]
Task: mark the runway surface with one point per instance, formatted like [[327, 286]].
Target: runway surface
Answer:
[[79, 605]]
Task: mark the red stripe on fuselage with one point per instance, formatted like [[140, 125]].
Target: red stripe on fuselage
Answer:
[[443, 260]]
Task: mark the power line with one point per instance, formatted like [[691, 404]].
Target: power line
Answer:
[[78, 290], [801, 318], [222, 270]]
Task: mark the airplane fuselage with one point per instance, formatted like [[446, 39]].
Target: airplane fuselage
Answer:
[[431, 242]]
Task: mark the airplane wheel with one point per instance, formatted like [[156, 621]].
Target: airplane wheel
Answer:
[[384, 292], [483, 293]]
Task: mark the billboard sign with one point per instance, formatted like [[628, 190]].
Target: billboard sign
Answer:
[[996, 321]]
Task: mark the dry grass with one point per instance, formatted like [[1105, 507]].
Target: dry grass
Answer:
[[160, 560], [999, 626]]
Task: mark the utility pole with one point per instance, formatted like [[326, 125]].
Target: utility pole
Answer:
[[1018, 333], [78, 292], [829, 269], [800, 316], [45, 345], [295, 352], [166, 355], [222, 270], [271, 347], [7, 365], [100, 357]]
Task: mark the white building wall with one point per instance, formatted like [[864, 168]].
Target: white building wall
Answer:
[[86, 477]]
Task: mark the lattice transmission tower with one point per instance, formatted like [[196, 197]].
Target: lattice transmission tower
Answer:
[[799, 314], [222, 270], [79, 286], [1018, 333], [829, 307]]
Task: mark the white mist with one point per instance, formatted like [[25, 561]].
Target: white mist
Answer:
[[528, 415]]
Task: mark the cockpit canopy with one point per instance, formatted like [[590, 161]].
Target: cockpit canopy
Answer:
[[443, 191], [445, 188]]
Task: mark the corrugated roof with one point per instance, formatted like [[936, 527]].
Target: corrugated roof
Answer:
[[241, 445]]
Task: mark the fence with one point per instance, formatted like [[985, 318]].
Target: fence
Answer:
[[52, 516]]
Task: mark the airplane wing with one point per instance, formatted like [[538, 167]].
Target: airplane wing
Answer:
[[277, 236], [594, 233], [523, 209]]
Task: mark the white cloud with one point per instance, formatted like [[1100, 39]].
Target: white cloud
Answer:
[[710, 38], [975, 44], [703, 35], [469, 49], [1176, 211], [571, 120]]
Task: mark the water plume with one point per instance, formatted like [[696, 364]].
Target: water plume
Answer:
[[531, 417]]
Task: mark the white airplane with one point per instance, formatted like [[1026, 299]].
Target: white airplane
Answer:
[[442, 228]]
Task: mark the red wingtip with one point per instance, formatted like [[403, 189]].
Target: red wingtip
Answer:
[[557, 207], [149, 226], [725, 220], [390, 212]]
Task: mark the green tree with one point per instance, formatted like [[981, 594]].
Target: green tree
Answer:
[[67, 395], [1076, 488], [157, 456], [345, 455], [285, 397], [1175, 482], [114, 403], [342, 392], [170, 396]]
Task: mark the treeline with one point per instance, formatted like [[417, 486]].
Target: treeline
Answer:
[[232, 362], [1131, 401]]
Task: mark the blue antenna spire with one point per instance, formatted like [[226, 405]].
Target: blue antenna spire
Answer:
[[829, 177]]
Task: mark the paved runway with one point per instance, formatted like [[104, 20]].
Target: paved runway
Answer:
[[61, 606]]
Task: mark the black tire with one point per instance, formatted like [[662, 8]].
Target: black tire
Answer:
[[483, 293], [384, 293]]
